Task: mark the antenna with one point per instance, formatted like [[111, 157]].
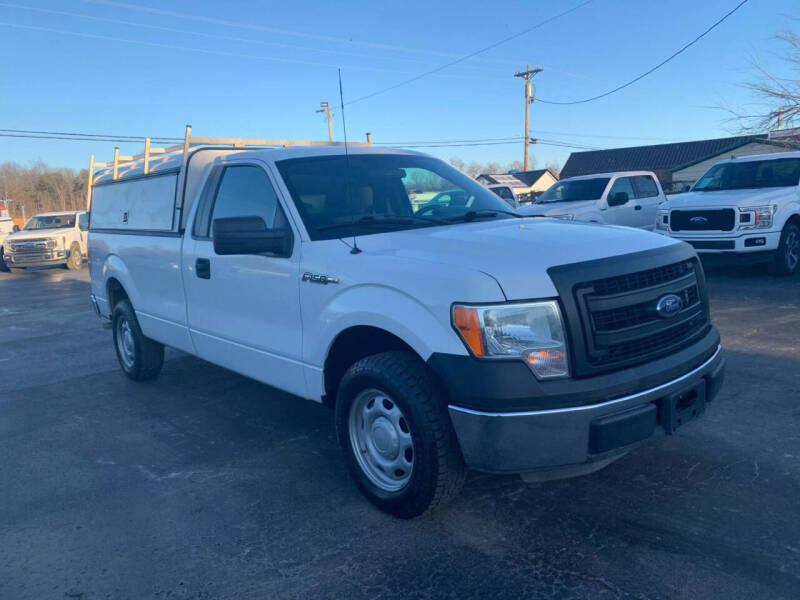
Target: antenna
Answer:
[[355, 249]]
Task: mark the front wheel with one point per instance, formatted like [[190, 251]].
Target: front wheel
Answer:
[[3, 266], [396, 435], [140, 357], [75, 260], [787, 256]]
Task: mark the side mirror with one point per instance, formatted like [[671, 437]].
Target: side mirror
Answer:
[[15, 229], [618, 199], [686, 188], [249, 235]]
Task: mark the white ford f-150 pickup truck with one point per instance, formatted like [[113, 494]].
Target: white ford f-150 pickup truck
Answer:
[[628, 198], [743, 208], [57, 238], [458, 336]]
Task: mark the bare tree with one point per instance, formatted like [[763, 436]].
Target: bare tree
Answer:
[[778, 96]]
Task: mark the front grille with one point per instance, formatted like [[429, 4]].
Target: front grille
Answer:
[[29, 247], [642, 279], [636, 314], [620, 321], [703, 220]]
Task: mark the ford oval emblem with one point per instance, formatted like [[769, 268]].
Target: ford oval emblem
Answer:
[[698, 221], [668, 306]]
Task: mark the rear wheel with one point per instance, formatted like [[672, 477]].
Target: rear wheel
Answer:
[[396, 435], [140, 357], [75, 260], [787, 256]]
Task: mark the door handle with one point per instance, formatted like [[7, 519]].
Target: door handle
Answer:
[[202, 268], [637, 207]]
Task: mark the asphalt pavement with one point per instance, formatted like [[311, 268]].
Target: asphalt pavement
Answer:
[[204, 484]]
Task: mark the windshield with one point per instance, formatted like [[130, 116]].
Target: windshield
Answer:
[[575, 190], [50, 222], [372, 193], [751, 174]]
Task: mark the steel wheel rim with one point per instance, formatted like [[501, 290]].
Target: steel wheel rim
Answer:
[[381, 440], [125, 343], [792, 250]]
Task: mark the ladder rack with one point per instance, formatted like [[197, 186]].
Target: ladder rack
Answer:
[[189, 142]]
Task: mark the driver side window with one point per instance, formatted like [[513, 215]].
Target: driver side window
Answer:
[[623, 184], [246, 191]]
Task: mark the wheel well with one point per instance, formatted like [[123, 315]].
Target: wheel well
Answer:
[[115, 292], [349, 347], [795, 218]]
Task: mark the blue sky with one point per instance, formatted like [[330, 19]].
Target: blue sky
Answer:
[[260, 69]]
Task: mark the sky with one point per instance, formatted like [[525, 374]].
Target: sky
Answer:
[[260, 69]]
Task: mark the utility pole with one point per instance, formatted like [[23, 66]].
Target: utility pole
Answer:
[[527, 75], [325, 108]]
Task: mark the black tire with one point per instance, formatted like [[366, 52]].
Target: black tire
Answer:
[[75, 260], [3, 266], [141, 358], [787, 256], [438, 470]]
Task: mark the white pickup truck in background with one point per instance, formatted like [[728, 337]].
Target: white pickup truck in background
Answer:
[[628, 198], [57, 238], [456, 336], [743, 208]]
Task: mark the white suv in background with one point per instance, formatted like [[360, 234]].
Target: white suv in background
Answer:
[[744, 208], [628, 198]]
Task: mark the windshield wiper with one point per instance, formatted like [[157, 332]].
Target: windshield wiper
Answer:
[[370, 220], [471, 215]]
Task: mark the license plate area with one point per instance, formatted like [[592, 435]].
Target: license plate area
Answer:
[[678, 409]]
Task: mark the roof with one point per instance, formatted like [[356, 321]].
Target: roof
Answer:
[[610, 174], [759, 157], [657, 157], [59, 214], [521, 179]]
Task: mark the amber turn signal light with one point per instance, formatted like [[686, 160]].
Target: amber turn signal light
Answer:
[[469, 327]]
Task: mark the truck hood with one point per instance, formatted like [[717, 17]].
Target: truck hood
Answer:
[[515, 252], [36, 235], [558, 208], [730, 198]]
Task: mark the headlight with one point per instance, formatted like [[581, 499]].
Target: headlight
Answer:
[[756, 217], [662, 219], [532, 332]]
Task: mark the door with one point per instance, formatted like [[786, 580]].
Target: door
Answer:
[[647, 197], [243, 311], [622, 211]]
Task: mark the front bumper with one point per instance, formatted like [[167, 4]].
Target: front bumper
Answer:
[[751, 241], [549, 439], [37, 259]]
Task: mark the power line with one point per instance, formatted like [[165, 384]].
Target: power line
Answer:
[[472, 54], [96, 137], [206, 50], [90, 136], [323, 50], [273, 30], [655, 68]]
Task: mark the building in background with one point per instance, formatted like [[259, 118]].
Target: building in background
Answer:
[[526, 184], [679, 164]]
